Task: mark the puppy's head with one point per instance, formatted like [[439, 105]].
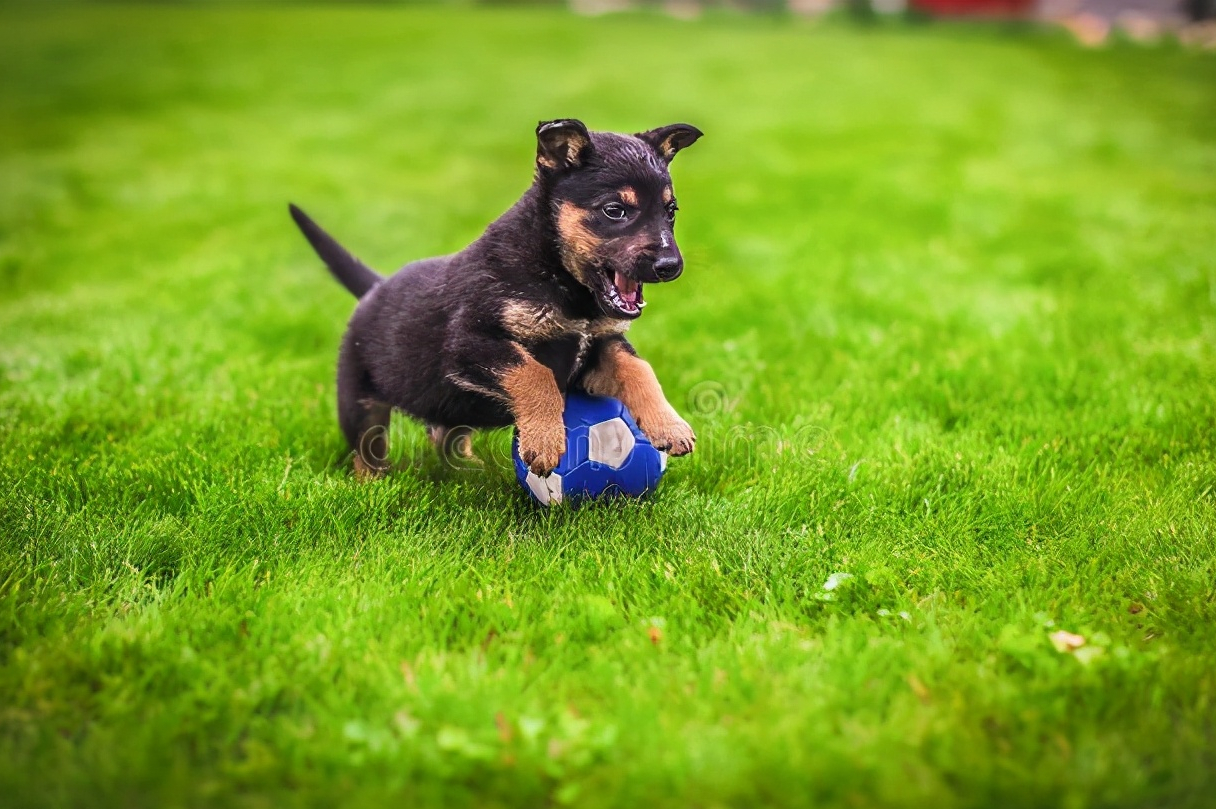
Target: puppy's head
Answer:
[[613, 207]]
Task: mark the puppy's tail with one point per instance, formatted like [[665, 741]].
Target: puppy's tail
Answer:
[[353, 273]]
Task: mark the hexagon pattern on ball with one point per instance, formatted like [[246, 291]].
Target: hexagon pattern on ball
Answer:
[[606, 455], [610, 443]]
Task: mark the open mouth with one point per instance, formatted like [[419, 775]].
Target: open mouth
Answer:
[[622, 296]]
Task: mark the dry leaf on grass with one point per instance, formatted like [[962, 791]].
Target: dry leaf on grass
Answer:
[[505, 733], [919, 689], [407, 674], [835, 580], [1066, 641]]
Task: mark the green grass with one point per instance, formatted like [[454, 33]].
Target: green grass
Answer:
[[948, 325]]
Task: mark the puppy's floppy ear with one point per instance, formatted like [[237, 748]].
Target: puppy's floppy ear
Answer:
[[667, 140], [562, 144]]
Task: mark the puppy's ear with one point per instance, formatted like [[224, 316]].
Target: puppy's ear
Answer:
[[667, 140], [562, 144]]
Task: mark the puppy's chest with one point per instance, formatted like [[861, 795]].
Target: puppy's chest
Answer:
[[567, 340]]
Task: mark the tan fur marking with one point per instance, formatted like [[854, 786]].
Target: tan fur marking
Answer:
[[574, 148], [604, 326], [473, 387], [528, 321], [537, 405], [573, 230], [668, 195], [629, 196], [624, 376], [578, 243]]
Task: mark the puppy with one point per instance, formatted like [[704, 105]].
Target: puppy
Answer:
[[495, 334]]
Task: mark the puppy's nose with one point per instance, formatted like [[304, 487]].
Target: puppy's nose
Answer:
[[668, 268]]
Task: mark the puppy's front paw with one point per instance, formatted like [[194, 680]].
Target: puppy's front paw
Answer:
[[541, 446], [671, 434]]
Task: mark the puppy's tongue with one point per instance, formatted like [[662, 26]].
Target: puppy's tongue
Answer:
[[627, 287]]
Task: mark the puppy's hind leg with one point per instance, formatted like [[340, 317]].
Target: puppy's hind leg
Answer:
[[454, 444], [363, 418]]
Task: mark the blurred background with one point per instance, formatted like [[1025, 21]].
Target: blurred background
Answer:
[[1091, 21]]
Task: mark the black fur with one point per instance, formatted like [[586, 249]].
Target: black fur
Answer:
[[433, 341], [350, 271]]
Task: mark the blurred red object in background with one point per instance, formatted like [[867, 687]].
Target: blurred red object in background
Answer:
[[975, 8]]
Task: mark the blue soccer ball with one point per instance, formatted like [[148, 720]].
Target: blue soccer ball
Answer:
[[606, 455]]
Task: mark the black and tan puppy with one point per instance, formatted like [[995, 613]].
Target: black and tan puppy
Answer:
[[495, 334]]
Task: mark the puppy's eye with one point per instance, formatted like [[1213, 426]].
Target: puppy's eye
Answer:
[[614, 211], [671, 212]]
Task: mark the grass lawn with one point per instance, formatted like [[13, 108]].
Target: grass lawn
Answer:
[[948, 325]]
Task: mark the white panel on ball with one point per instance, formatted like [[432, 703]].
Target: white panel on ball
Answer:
[[547, 490], [610, 443]]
